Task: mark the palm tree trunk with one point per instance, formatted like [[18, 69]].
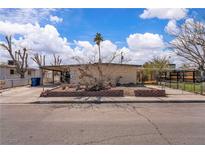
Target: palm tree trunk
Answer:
[[99, 54]]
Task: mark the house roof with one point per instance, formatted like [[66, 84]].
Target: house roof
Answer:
[[13, 66], [64, 67], [8, 66]]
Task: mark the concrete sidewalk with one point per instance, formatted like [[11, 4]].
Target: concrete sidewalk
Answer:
[[120, 100], [28, 95], [173, 96], [171, 91]]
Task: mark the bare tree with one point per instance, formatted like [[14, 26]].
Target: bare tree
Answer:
[[189, 43], [156, 66], [40, 61], [20, 57], [93, 75], [57, 60]]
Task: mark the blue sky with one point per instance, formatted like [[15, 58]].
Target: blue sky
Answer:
[[139, 33], [114, 24]]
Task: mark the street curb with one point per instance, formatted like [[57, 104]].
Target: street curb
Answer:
[[111, 102]]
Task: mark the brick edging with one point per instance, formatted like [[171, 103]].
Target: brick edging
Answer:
[[102, 93], [150, 93]]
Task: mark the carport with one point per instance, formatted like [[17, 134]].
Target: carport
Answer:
[[64, 71]]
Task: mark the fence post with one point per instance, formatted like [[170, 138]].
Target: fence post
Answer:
[[177, 80], [170, 79], [184, 86], [201, 82], [194, 81]]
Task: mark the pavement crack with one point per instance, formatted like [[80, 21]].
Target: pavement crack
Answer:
[[151, 122], [116, 137], [121, 107]]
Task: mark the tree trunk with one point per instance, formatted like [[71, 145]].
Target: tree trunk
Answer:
[[41, 75], [22, 75]]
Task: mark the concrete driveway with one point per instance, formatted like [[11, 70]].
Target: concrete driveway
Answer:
[[134, 123], [24, 94]]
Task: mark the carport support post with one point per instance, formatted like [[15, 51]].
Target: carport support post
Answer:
[[41, 75], [53, 76]]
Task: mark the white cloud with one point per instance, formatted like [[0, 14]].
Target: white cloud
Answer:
[[35, 37], [84, 44], [8, 28], [165, 13], [189, 20], [44, 40], [140, 57], [55, 19], [108, 47], [88, 52], [171, 27], [47, 40], [139, 41], [24, 16], [85, 50], [143, 47]]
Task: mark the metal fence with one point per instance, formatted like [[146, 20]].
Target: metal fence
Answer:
[[186, 86], [187, 80]]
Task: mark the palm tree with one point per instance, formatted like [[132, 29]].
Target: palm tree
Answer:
[[98, 39]]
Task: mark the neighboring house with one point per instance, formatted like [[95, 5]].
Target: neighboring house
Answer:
[[10, 78], [172, 66], [121, 73], [9, 72]]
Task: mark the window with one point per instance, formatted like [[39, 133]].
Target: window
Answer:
[[29, 72], [11, 72]]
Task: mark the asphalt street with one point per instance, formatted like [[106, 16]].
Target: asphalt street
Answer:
[[125, 123]]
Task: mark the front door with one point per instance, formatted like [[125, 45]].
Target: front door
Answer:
[[65, 77]]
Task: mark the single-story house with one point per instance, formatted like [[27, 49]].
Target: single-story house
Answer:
[[121, 73]]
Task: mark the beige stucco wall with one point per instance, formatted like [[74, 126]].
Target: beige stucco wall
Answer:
[[128, 73]]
